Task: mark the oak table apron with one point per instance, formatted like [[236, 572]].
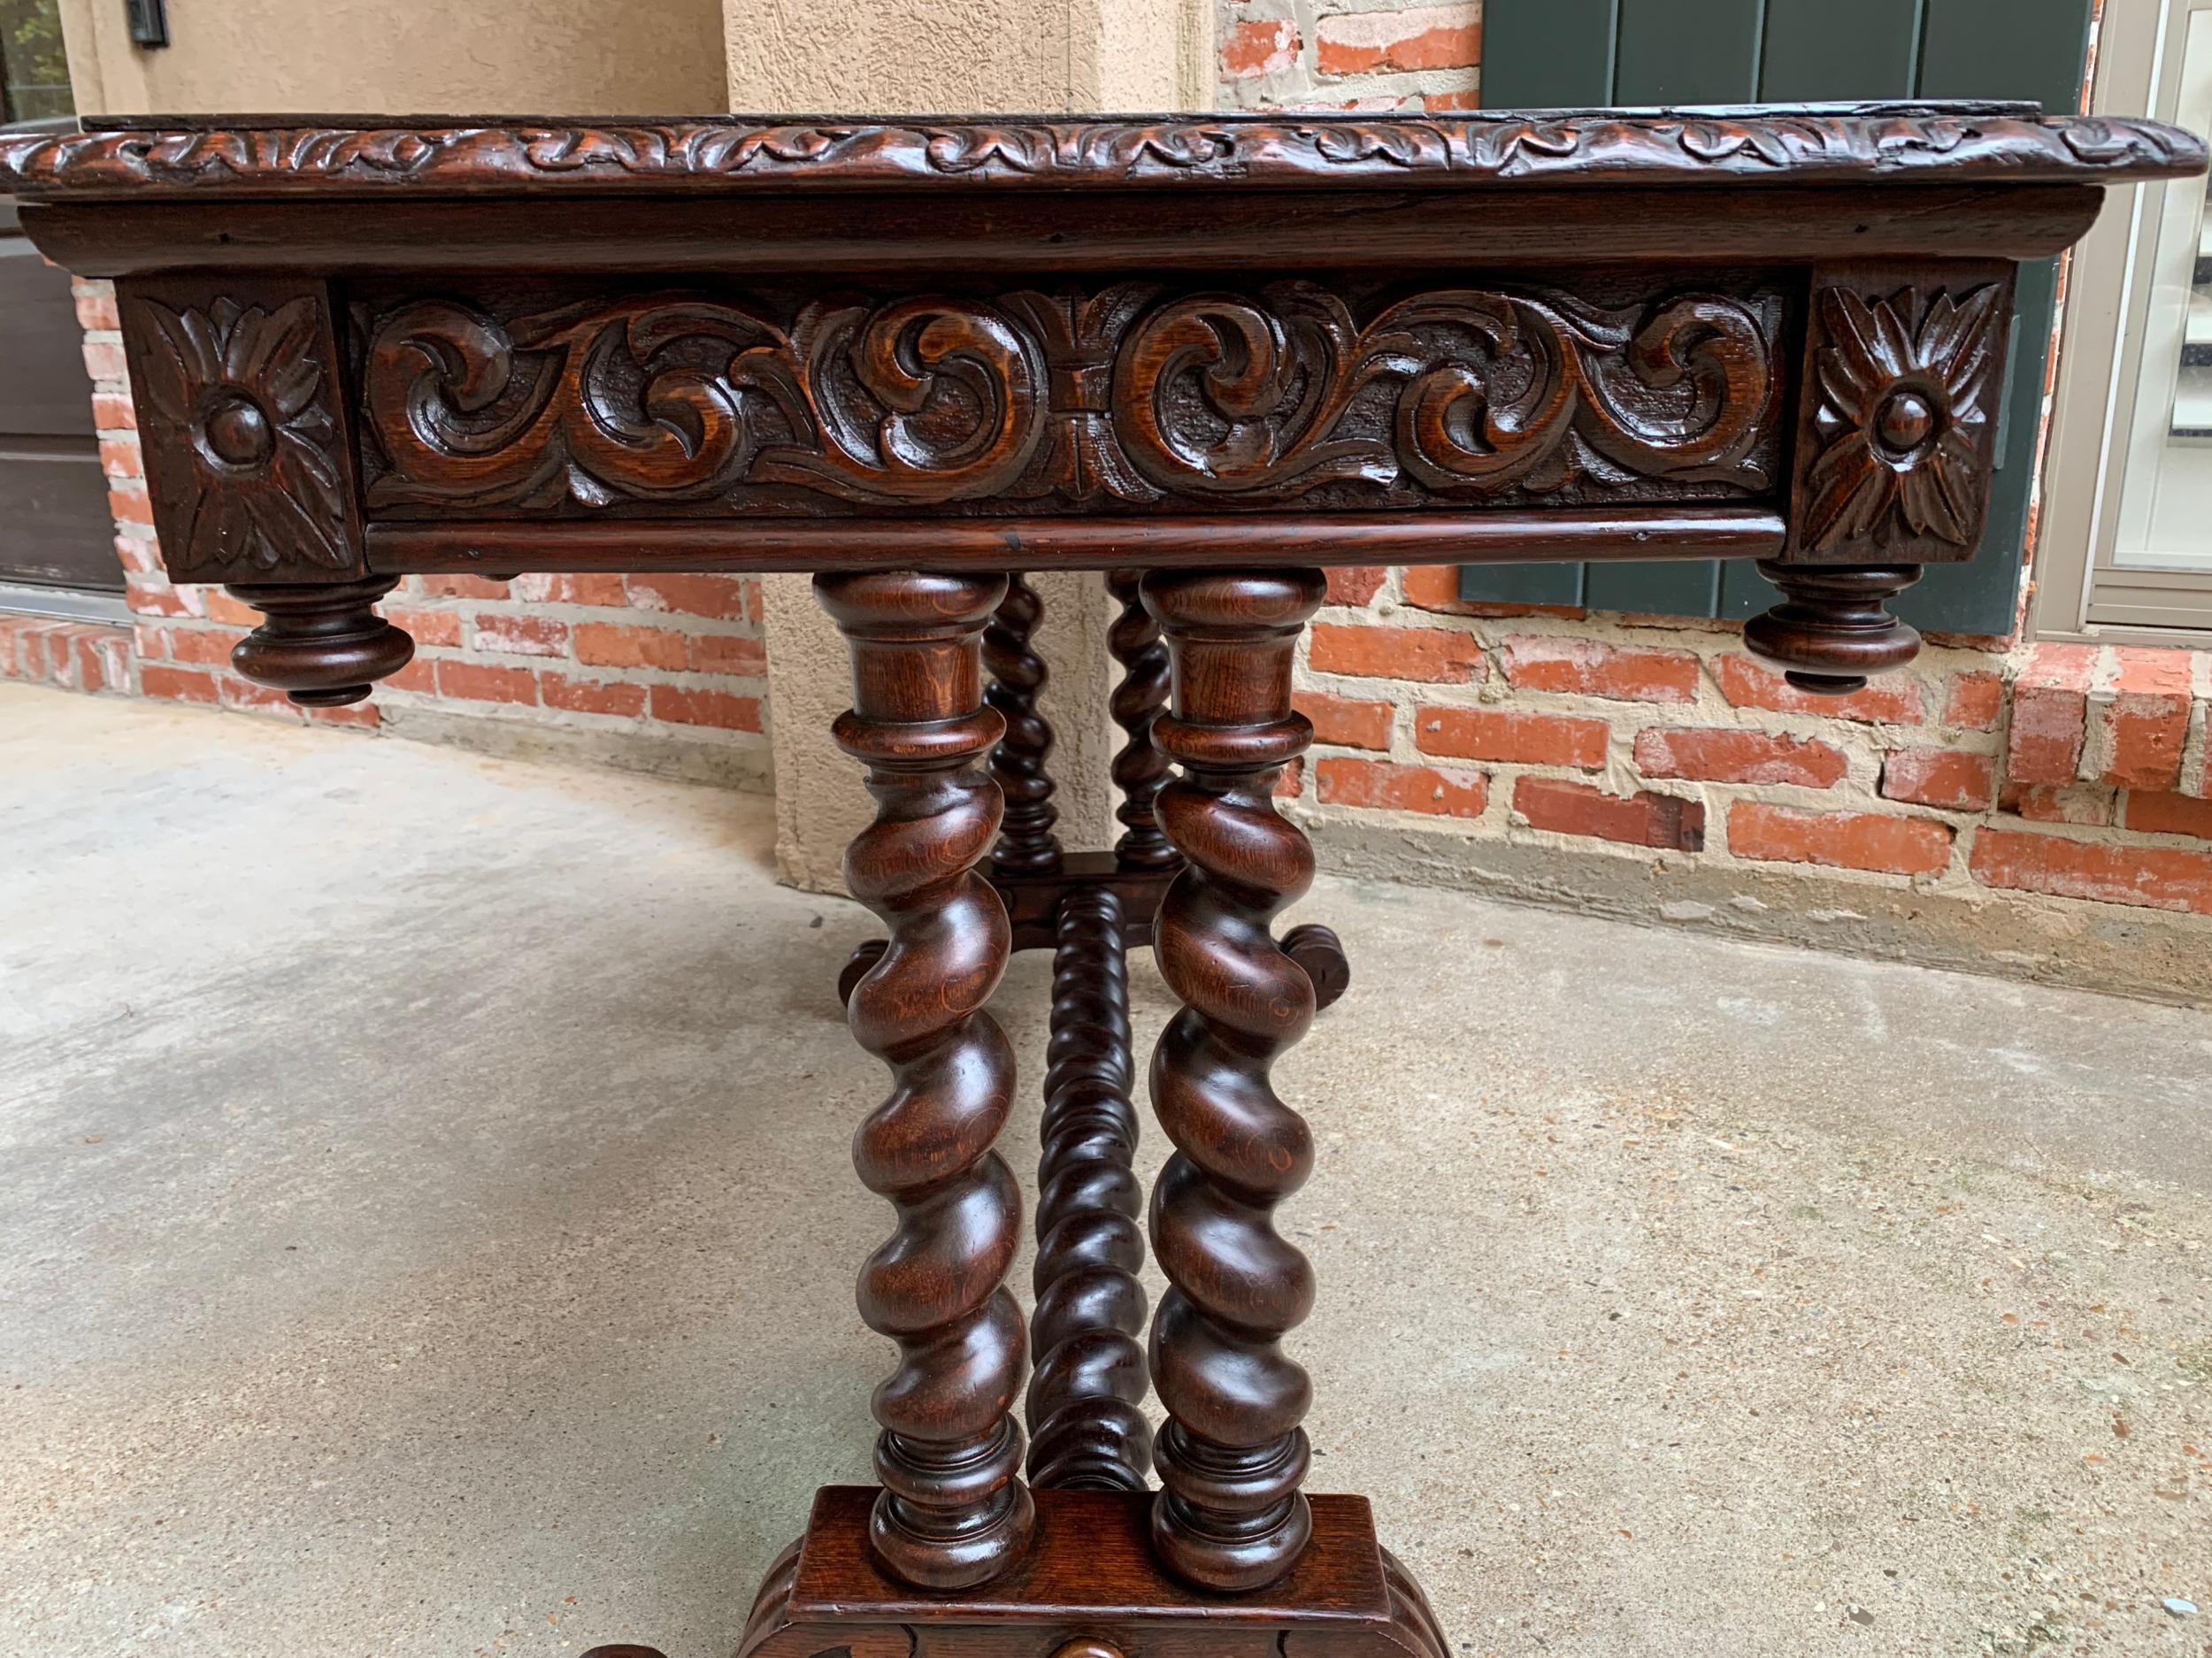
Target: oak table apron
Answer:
[[1207, 356]]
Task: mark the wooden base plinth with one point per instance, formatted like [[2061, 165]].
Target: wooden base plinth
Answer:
[[1089, 1587]]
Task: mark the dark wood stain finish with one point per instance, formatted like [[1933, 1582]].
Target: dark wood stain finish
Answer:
[[1207, 356], [1231, 1455]]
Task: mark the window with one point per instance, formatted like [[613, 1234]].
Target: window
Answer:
[[2127, 545], [34, 71]]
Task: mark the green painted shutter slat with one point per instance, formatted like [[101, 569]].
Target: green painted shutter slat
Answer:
[[1557, 54], [1806, 50], [2002, 48], [1522, 584], [1687, 51], [1672, 587], [1817, 49]]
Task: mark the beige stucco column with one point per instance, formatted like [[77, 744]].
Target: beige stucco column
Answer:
[[931, 56]]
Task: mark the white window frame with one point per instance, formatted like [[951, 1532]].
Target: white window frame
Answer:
[[2081, 593]]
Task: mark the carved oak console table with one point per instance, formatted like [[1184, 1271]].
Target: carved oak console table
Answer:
[[1206, 356]]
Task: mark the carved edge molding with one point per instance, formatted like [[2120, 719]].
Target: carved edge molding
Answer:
[[1898, 420], [1960, 143], [239, 407]]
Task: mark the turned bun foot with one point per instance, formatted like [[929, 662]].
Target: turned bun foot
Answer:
[[1831, 630], [325, 645], [1320, 952]]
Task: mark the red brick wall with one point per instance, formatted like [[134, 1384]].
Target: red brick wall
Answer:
[[2072, 772], [2068, 771], [660, 672]]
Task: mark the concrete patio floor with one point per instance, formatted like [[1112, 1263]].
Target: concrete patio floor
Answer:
[[426, 1230]]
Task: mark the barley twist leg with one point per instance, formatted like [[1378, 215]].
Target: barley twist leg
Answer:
[[953, 1512]]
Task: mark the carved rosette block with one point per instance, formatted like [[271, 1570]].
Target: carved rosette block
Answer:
[[1232, 1456], [1895, 448], [324, 645], [244, 439], [1140, 770], [1017, 677], [1904, 410], [1086, 1423], [953, 1512]]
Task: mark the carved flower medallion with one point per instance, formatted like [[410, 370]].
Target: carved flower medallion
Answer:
[[256, 482], [1903, 416]]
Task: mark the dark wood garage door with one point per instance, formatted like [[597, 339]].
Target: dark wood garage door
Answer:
[[57, 543], [54, 526]]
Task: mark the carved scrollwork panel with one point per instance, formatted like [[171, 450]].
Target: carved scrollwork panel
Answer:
[[1898, 429], [239, 400], [1128, 396]]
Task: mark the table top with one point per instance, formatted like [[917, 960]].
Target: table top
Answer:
[[194, 156]]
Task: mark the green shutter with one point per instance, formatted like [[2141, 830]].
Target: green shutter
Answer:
[[1539, 53]]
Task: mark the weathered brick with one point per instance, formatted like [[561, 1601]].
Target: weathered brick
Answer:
[[179, 685], [1292, 780], [120, 458], [2170, 814], [95, 306], [1940, 777], [1259, 46], [1514, 735], [705, 708], [1643, 819], [259, 699], [514, 635], [1891, 700], [2050, 706], [1588, 667], [1382, 786], [128, 502], [425, 626], [208, 647], [592, 696], [104, 361], [623, 645], [727, 653], [2147, 722], [2156, 877], [1355, 584], [419, 675], [462, 587], [153, 595], [1436, 587], [358, 716], [140, 556], [1839, 839], [1728, 754], [2090, 803], [1975, 699], [1422, 37], [476, 682], [237, 613], [1436, 654], [730, 598], [589, 586], [112, 411], [1347, 721]]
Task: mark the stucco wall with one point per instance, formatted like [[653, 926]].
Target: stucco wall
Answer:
[[576, 57]]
